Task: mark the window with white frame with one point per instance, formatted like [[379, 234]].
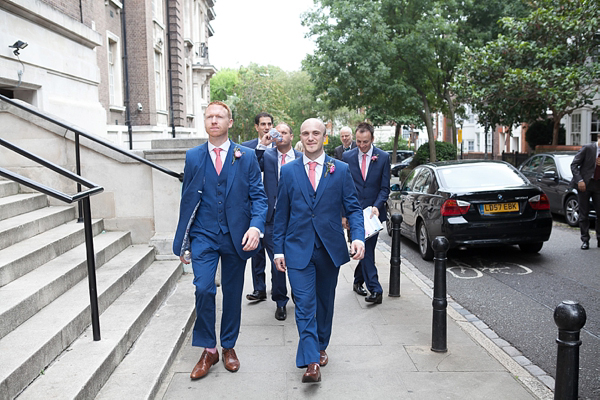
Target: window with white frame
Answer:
[[157, 10], [470, 145], [159, 82], [115, 78], [576, 129], [595, 127]]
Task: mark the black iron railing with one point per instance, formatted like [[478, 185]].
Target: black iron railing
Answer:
[[81, 197]]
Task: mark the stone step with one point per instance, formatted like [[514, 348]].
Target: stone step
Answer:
[[80, 372], [25, 256], [30, 348], [8, 188], [24, 226], [21, 203], [143, 369], [22, 298]]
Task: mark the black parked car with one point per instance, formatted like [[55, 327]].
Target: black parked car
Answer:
[[552, 173], [396, 168], [401, 155], [471, 203]]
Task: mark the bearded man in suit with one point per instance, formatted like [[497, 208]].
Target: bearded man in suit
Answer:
[[222, 215]]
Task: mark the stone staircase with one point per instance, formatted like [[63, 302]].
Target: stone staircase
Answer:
[[146, 307]]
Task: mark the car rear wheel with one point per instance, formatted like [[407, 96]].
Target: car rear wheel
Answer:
[[531, 248], [424, 242], [571, 209]]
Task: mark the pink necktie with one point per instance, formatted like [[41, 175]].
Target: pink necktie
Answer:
[[363, 167], [218, 162], [282, 159], [311, 173]]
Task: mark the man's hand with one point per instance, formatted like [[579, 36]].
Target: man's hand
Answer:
[[358, 249], [280, 264], [345, 223], [374, 212], [250, 240], [581, 186], [183, 260], [266, 139]]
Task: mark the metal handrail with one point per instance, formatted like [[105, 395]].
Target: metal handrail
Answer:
[[83, 198], [30, 109]]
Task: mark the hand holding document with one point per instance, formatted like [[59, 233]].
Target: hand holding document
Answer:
[[372, 223]]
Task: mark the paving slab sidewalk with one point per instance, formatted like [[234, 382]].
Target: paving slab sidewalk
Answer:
[[376, 351]]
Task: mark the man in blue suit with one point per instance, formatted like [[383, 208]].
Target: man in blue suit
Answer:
[[370, 169], [263, 122], [270, 164], [309, 241], [222, 215]]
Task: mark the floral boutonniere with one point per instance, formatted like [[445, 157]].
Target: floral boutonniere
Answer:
[[373, 158], [237, 153], [329, 167]]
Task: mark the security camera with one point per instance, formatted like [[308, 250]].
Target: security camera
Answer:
[[140, 107]]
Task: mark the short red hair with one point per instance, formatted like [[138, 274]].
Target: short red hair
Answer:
[[220, 103]]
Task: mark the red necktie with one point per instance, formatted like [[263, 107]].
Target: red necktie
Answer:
[[218, 162], [282, 159], [363, 167], [311, 174]]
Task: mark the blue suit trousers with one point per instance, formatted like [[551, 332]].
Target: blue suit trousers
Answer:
[[314, 293], [278, 278], [366, 270], [206, 248]]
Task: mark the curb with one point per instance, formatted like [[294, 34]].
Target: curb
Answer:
[[539, 383]]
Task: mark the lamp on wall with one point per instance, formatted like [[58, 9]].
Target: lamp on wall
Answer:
[[19, 45]]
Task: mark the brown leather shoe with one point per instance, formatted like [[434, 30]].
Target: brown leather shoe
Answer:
[[312, 374], [207, 360], [323, 359], [230, 360]]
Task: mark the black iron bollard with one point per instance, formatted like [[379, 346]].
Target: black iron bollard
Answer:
[[395, 259], [439, 327], [570, 317]]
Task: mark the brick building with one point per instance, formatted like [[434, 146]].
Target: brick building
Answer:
[[148, 77]]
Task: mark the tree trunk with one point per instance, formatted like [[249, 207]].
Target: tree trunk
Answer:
[[396, 137], [452, 120], [427, 119], [556, 119]]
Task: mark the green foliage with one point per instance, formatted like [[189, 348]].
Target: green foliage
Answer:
[[540, 132], [444, 151], [333, 142], [389, 144], [222, 84], [544, 61]]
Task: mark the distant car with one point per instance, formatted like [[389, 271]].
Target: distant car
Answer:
[[401, 154], [552, 173], [396, 168], [471, 203]]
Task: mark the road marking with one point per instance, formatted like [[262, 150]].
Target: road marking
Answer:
[[463, 270]]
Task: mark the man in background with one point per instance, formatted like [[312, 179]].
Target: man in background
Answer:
[[347, 142]]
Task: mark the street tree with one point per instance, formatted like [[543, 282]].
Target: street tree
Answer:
[[547, 60]]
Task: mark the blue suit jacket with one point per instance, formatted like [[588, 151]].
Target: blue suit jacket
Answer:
[[269, 164], [245, 199], [375, 190], [300, 214]]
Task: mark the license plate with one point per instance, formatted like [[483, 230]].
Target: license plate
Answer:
[[500, 207]]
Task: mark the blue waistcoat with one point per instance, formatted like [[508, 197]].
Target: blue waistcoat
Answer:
[[211, 214]]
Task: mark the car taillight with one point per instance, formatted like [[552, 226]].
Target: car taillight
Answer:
[[455, 207], [539, 202]]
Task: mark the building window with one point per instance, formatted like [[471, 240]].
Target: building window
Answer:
[[115, 79], [159, 81], [470, 145], [595, 128], [157, 10], [576, 129]]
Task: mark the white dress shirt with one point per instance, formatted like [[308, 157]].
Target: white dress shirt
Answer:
[[289, 156], [318, 169], [360, 158], [213, 155]]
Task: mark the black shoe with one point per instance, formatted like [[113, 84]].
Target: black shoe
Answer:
[[598, 243], [585, 245], [376, 298], [358, 288], [280, 314], [257, 295]]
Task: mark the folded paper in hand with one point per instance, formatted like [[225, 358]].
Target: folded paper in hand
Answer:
[[372, 225]]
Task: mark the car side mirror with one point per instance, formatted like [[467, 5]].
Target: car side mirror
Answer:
[[549, 175], [395, 187]]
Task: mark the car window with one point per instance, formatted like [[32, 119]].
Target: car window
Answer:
[[423, 181], [564, 164], [533, 164], [480, 175], [408, 183], [548, 164]]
